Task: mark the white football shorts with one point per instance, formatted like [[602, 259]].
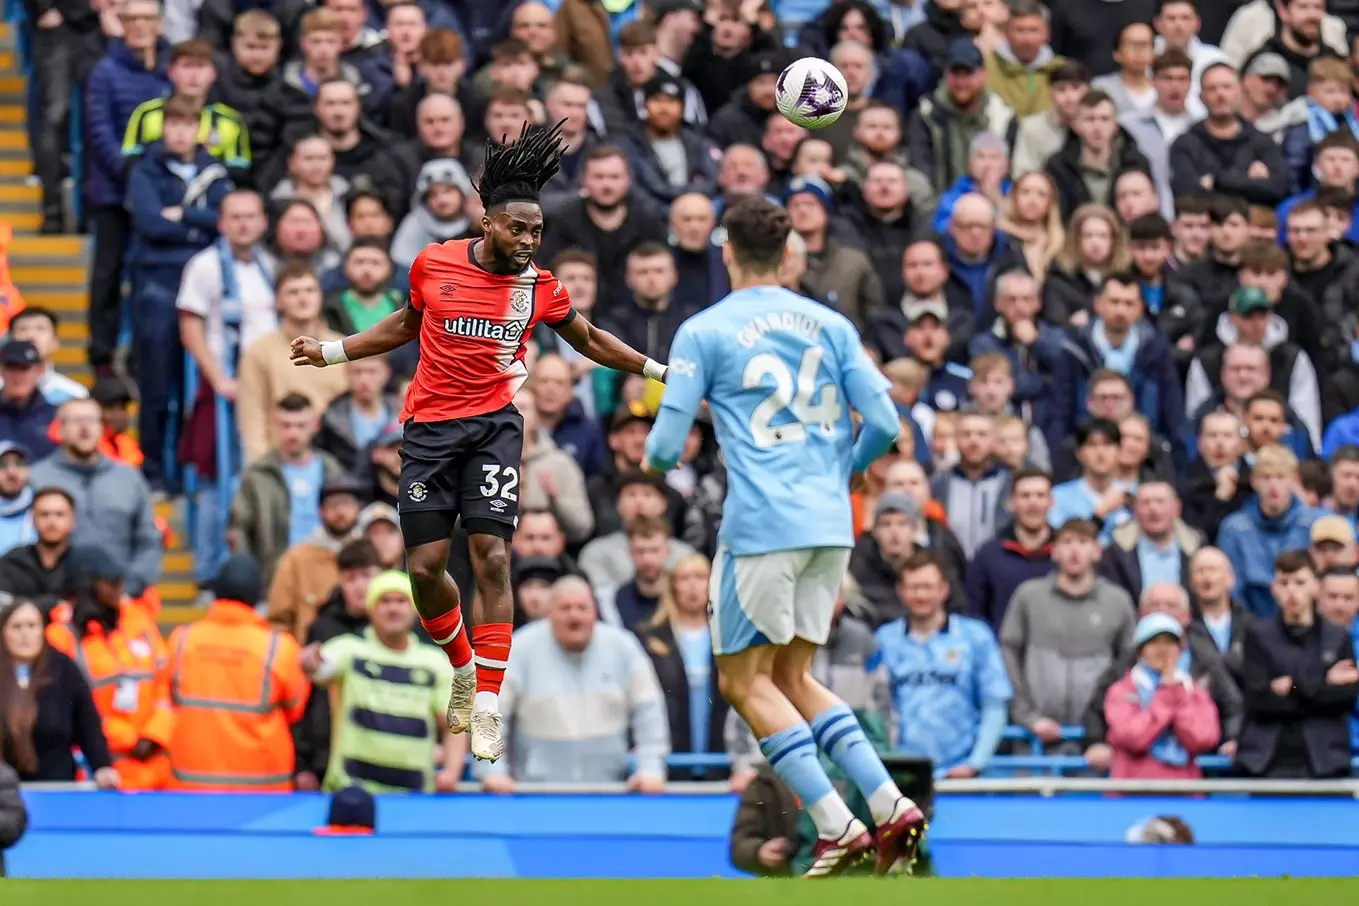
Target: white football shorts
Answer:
[[772, 598]]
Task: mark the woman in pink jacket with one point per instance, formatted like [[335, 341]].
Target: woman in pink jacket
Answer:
[[1159, 720]]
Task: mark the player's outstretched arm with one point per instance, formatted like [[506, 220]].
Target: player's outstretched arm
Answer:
[[866, 390], [392, 332], [603, 348]]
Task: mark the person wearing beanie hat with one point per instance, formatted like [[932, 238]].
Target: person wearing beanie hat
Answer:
[[397, 684], [240, 688], [669, 157], [837, 273], [438, 210], [1159, 719]]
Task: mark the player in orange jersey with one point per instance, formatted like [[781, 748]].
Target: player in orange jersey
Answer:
[[473, 304]]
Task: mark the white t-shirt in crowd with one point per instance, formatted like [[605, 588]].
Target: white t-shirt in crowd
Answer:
[[200, 293]]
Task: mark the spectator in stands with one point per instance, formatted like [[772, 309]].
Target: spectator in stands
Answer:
[[228, 656], [572, 650], [378, 522], [1271, 523], [192, 74], [354, 420], [250, 68], [1088, 166], [741, 120], [974, 490], [1338, 602], [677, 639], [1155, 129], [988, 175], [175, 193], [267, 373], [539, 539], [366, 289], [132, 71], [311, 176], [949, 685], [1096, 493], [649, 320], [927, 278], [608, 221], [37, 572], [1329, 90], [278, 501], [1119, 339], [837, 272], [627, 436], [1042, 135], [380, 471], [940, 132], [1333, 544], [25, 413], [669, 157], [606, 560], [564, 415], [16, 498], [927, 340], [1159, 718], [438, 69], [1061, 632], [58, 32], [1022, 550], [439, 128], [877, 558], [1020, 70], [551, 478], [300, 233], [1300, 684], [439, 211], [1156, 546], [38, 325], [1130, 88], [112, 500], [634, 602], [1217, 615], [308, 570], [46, 706], [290, 99], [345, 612], [122, 654], [1224, 153], [386, 684]]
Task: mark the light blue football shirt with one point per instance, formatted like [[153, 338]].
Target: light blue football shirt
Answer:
[[781, 374]]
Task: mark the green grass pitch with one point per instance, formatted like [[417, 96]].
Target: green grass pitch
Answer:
[[858, 891]]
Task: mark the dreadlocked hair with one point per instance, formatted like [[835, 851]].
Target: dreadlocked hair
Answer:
[[518, 170]]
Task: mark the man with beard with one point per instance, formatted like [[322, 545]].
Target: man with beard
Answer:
[[1225, 154], [1297, 40], [307, 572], [37, 571], [648, 323], [940, 131], [608, 221], [668, 157], [339, 120]]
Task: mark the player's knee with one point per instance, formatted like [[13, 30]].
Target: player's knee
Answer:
[[425, 567], [491, 562]]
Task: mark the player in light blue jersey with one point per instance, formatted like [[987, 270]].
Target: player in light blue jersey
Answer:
[[781, 374]]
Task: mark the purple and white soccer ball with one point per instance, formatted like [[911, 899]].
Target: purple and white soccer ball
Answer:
[[811, 93]]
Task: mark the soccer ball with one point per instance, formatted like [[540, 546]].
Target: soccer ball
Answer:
[[811, 93]]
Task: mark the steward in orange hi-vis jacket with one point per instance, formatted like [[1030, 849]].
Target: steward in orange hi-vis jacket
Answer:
[[238, 687], [119, 649]]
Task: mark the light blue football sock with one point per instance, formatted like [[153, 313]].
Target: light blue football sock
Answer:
[[838, 733], [792, 754]]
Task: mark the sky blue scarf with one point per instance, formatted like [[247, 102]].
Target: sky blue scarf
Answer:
[[1118, 359], [1166, 749], [1322, 122]]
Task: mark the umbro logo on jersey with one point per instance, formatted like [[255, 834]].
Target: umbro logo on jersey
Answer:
[[447, 289], [485, 329], [683, 367]]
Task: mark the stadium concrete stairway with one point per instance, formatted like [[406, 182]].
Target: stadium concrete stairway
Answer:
[[53, 272]]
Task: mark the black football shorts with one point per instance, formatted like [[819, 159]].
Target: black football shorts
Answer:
[[464, 467]]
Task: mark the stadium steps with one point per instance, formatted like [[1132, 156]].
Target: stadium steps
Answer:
[[53, 271]]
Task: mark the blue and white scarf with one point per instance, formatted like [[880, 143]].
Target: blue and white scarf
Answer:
[[1119, 359], [1322, 122], [1166, 749]]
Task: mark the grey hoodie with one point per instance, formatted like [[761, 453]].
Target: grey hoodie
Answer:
[[113, 511], [1056, 647]]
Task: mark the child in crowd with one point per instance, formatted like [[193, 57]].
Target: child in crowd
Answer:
[[992, 387]]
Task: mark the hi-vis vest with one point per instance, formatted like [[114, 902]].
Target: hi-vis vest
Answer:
[[237, 686]]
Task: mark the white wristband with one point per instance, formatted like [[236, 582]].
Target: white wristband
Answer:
[[333, 352], [654, 370]]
